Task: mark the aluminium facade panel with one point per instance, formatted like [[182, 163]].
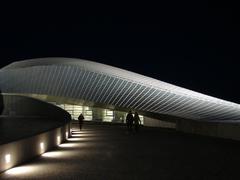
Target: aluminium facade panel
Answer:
[[103, 84]]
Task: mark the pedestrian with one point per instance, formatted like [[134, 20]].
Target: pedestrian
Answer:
[[129, 121], [80, 121], [137, 121]]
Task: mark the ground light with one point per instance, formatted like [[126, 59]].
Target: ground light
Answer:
[[7, 158], [58, 140], [66, 135], [21, 170], [42, 147], [53, 154], [75, 135], [68, 145], [74, 139]]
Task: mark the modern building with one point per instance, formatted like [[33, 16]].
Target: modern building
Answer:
[[105, 93]]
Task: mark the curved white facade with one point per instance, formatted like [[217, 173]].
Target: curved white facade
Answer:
[[106, 85]]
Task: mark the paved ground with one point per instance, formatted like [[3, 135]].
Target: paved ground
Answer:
[[108, 152]]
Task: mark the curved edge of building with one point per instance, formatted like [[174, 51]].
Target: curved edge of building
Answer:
[[96, 84]]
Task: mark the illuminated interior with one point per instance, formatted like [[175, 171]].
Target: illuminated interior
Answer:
[[108, 115], [100, 114]]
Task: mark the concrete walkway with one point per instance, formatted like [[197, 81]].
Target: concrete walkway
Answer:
[[108, 152]]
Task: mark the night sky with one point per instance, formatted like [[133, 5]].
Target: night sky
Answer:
[[192, 45]]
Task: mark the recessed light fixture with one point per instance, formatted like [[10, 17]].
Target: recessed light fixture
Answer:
[[7, 158]]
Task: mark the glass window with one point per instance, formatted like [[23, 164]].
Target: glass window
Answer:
[[88, 113], [141, 119], [109, 113]]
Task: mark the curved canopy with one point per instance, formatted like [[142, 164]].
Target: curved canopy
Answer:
[[117, 88]]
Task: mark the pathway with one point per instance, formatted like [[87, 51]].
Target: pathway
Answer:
[[108, 152]]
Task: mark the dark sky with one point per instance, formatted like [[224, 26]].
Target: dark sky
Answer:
[[192, 45]]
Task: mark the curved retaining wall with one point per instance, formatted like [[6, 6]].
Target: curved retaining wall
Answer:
[[17, 152], [22, 148], [24, 106]]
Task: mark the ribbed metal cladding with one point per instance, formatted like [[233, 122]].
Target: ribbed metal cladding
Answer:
[[103, 84]]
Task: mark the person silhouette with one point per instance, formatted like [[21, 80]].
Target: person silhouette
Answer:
[[80, 121], [137, 121], [129, 121]]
